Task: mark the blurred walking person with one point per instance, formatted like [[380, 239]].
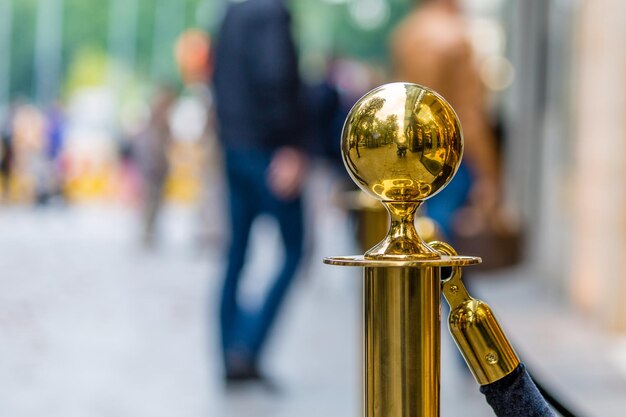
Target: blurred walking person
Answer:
[[46, 166], [55, 132], [28, 141], [194, 121], [6, 156], [151, 153], [431, 47], [256, 86]]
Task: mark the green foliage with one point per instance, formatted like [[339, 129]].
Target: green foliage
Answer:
[[323, 29], [331, 29], [86, 26], [369, 44], [87, 69], [22, 47]]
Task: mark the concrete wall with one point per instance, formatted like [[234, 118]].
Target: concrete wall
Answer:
[[598, 194]]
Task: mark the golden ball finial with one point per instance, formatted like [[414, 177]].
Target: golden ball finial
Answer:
[[402, 143]]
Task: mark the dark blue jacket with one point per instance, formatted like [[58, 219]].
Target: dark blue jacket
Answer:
[[256, 77]]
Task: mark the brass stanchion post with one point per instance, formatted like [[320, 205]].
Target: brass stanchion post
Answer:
[[401, 144]]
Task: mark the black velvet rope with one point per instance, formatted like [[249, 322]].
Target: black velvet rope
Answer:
[[516, 395]]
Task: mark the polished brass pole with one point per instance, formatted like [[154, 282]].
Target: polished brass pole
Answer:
[[401, 144], [402, 333]]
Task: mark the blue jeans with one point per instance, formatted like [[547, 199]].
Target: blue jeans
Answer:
[[446, 203], [243, 333]]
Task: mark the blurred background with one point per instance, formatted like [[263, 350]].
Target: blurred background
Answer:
[[113, 207]]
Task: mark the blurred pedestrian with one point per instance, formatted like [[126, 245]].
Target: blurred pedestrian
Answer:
[[194, 121], [50, 178], [326, 112], [256, 86], [6, 155], [431, 47], [28, 142], [151, 152]]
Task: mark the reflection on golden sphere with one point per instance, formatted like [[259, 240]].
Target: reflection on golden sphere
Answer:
[[402, 142]]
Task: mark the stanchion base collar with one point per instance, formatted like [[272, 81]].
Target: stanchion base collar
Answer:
[[406, 261]]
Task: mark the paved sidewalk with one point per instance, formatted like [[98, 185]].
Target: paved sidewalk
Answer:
[[90, 325], [583, 364]]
